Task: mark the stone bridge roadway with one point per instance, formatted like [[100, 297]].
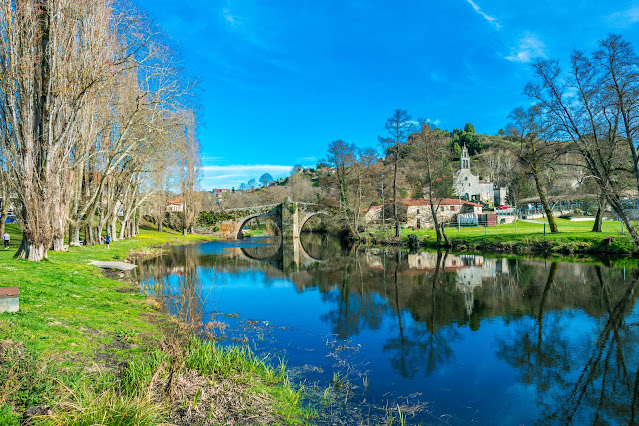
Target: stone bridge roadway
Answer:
[[289, 217]]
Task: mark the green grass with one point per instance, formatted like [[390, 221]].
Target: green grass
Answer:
[[76, 328], [572, 237]]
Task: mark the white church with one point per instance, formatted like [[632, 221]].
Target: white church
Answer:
[[469, 187]]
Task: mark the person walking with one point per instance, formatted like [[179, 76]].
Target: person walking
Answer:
[[107, 241], [6, 238]]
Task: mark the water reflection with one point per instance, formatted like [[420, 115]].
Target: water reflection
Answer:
[[539, 341]]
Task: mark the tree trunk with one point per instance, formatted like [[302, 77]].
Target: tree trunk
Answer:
[[159, 225], [74, 234], [3, 220], [395, 194], [615, 203], [445, 236], [438, 232], [544, 202], [601, 203], [30, 251], [58, 244]]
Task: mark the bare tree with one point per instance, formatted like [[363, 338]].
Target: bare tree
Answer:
[[341, 155], [595, 106], [433, 153], [398, 127], [534, 151]]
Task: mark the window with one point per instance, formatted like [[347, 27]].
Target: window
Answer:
[[417, 211]]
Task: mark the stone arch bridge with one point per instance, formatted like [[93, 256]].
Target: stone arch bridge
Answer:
[[289, 217]]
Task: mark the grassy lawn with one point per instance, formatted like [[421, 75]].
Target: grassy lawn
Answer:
[[571, 235], [79, 334]]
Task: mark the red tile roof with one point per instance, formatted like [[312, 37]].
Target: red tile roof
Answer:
[[426, 202]]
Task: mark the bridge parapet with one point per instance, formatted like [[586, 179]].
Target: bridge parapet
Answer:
[[289, 217]]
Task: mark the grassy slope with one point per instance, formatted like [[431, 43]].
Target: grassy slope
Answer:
[[72, 317]]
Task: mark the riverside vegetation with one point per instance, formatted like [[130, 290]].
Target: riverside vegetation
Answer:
[[87, 349]]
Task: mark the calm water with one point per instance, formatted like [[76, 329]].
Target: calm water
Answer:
[[446, 338]]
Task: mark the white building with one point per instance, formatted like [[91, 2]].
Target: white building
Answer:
[[418, 213], [469, 187]]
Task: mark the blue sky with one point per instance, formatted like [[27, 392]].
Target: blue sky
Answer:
[[281, 79]]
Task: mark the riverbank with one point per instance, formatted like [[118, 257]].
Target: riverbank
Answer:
[[88, 349], [526, 238]]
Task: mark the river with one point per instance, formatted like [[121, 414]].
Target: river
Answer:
[[442, 338]]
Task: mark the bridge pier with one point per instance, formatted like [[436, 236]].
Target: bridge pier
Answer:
[[290, 220]]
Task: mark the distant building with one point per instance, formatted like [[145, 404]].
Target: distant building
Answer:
[[418, 213], [469, 187], [175, 205], [219, 195]]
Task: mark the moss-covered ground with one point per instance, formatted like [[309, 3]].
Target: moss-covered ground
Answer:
[[96, 351]]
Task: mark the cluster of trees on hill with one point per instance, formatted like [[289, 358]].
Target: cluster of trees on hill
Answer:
[[96, 119]]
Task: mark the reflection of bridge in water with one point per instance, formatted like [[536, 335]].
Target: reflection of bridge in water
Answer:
[[283, 254]]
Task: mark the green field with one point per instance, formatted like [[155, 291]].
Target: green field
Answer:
[[95, 350], [572, 237]]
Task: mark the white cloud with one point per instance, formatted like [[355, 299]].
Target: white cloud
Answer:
[[230, 18], [625, 18], [221, 176], [491, 19], [528, 48]]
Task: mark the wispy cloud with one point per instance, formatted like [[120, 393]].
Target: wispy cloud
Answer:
[[528, 48], [625, 18], [222, 176], [230, 18], [491, 19]]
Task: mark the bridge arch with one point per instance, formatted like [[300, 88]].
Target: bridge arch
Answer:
[[245, 220], [309, 216], [288, 216]]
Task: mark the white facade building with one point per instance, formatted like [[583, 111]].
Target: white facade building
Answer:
[[469, 187]]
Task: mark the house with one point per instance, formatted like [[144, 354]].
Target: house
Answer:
[[219, 195], [418, 212], [176, 205], [469, 187]]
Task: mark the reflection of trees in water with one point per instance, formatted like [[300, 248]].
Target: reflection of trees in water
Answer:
[[580, 379], [175, 279], [423, 344], [356, 308]]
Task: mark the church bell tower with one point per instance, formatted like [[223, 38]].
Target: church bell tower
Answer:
[[465, 159]]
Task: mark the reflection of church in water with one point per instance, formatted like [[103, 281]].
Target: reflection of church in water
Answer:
[[470, 270]]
